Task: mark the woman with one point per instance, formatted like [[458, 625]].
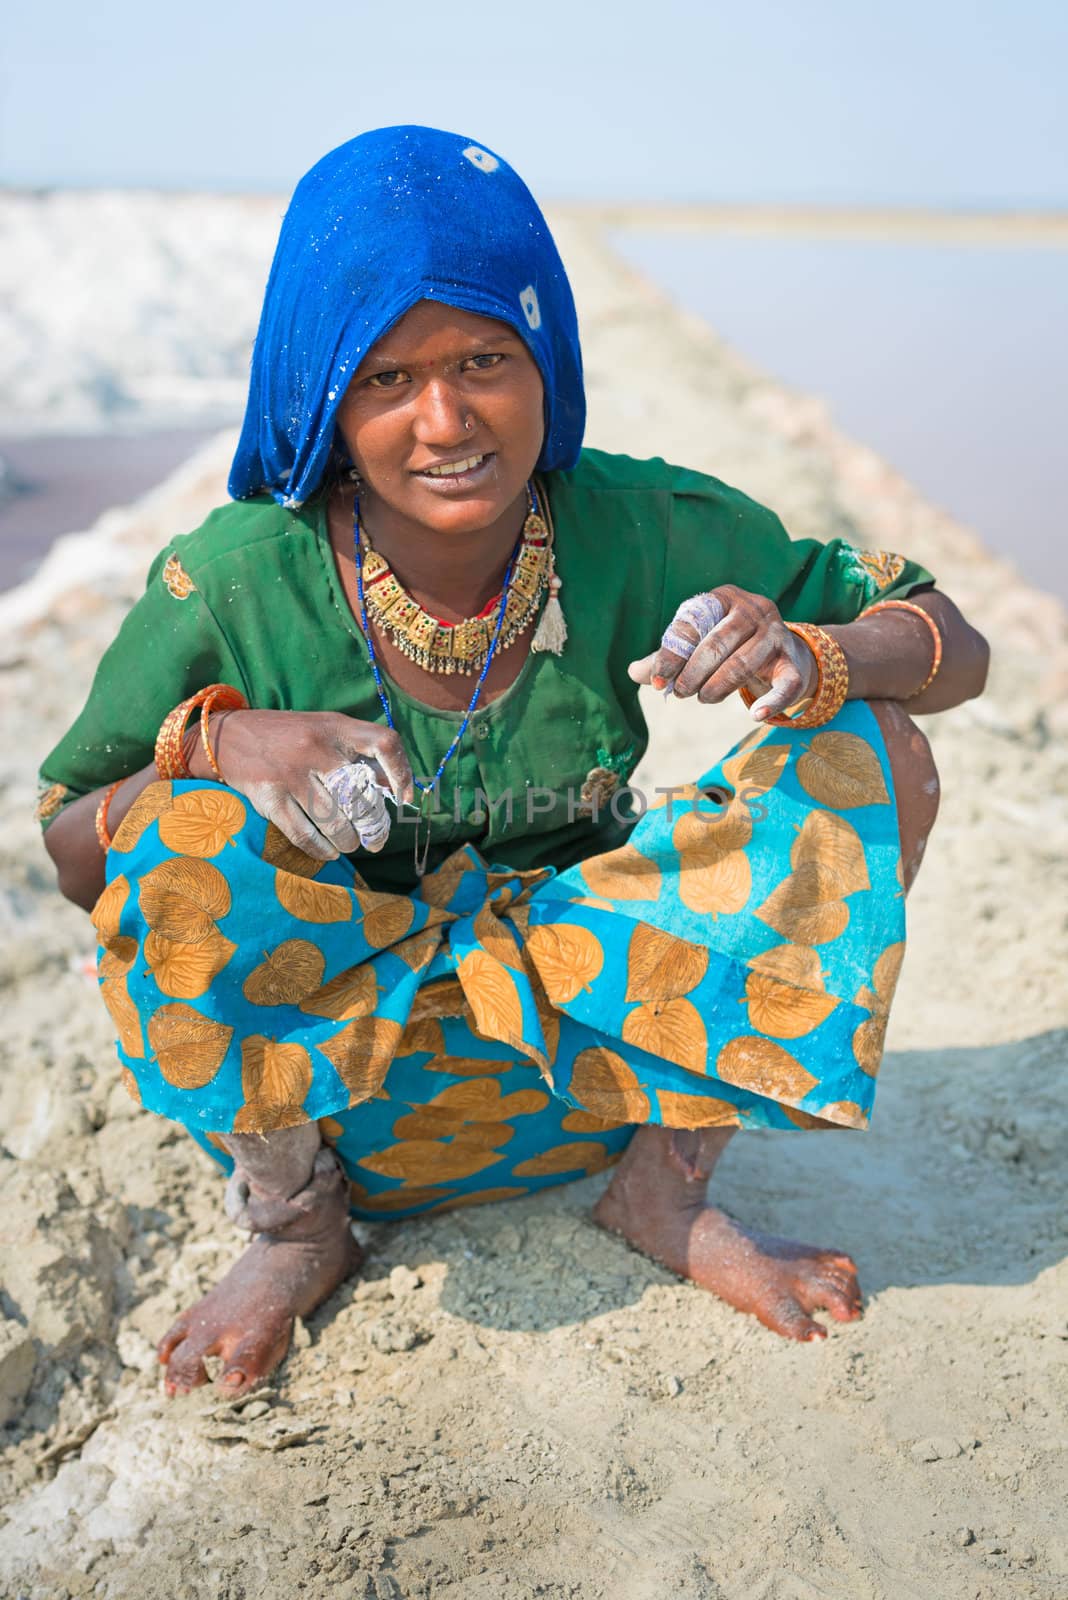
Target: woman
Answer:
[[514, 972]]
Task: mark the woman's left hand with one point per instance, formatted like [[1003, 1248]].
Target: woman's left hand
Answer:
[[751, 645]]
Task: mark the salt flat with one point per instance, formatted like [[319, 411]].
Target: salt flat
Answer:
[[510, 1403]]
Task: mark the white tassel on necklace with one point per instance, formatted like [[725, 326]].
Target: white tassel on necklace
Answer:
[[551, 632]]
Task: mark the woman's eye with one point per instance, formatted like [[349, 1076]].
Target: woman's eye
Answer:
[[482, 362], [387, 380]]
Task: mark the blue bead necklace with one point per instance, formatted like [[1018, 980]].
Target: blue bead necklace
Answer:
[[426, 790]]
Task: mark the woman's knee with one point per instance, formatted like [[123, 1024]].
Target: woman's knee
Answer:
[[916, 786]]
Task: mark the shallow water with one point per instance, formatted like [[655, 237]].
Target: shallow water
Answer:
[[60, 483], [950, 360]]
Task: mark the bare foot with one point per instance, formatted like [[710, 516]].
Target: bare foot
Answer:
[[656, 1200], [247, 1319]]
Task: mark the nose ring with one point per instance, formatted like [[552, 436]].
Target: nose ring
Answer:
[[469, 424]]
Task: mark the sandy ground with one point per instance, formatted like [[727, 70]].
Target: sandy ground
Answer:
[[510, 1404]]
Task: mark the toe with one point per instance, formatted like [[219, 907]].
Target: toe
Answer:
[[177, 1331], [185, 1369], [253, 1357], [791, 1319], [832, 1291]]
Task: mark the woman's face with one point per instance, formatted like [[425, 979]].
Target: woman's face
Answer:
[[442, 387]]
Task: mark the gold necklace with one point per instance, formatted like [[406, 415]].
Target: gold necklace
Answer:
[[460, 646]]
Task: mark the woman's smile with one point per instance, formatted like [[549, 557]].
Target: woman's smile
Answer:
[[453, 477]]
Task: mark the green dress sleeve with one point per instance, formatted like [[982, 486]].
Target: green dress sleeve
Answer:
[[169, 646], [718, 535]]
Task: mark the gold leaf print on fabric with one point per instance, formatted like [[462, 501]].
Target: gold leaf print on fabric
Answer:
[[275, 1079], [438, 888], [177, 579], [568, 959], [312, 902], [607, 1086], [712, 882], [696, 1111], [420, 949], [481, 1100], [189, 1047], [497, 938], [779, 1009], [580, 1155], [186, 971], [182, 899], [350, 995], [591, 900], [785, 992], [422, 1037], [392, 1199], [673, 1029], [790, 963], [201, 822], [386, 917], [331, 1129], [493, 997], [465, 1066], [661, 966], [278, 851], [869, 1036], [623, 874], [841, 770], [131, 1085], [361, 1054], [548, 1021], [150, 804], [118, 957], [713, 833], [882, 565], [424, 1124], [805, 906], [762, 1067], [287, 976], [830, 841], [481, 1197], [838, 1114], [124, 1015], [754, 772], [50, 801], [442, 998], [427, 1161], [586, 1122], [108, 909]]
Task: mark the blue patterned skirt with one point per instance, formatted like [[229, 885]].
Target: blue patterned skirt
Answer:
[[497, 1031]]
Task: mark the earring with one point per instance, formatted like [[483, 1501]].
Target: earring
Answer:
[[354, 475]]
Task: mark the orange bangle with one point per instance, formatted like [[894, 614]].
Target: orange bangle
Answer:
[[936, 634], [227, 700], [102, 834], [170, 756], [832, 681]]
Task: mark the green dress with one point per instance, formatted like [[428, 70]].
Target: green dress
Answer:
[[555, 978], [253, 598]]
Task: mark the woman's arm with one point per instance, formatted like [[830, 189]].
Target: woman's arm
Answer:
[[276, 759], [71, 840], [888, 655]]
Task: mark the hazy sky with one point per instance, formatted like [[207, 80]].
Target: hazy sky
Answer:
[[944, 102]]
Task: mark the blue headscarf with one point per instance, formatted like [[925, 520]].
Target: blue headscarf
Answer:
[[393, 217]]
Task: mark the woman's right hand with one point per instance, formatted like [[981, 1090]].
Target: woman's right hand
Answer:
[[278, 759]]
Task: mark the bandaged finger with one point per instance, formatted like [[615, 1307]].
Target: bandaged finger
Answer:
[[361, 799], [695, 618]]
